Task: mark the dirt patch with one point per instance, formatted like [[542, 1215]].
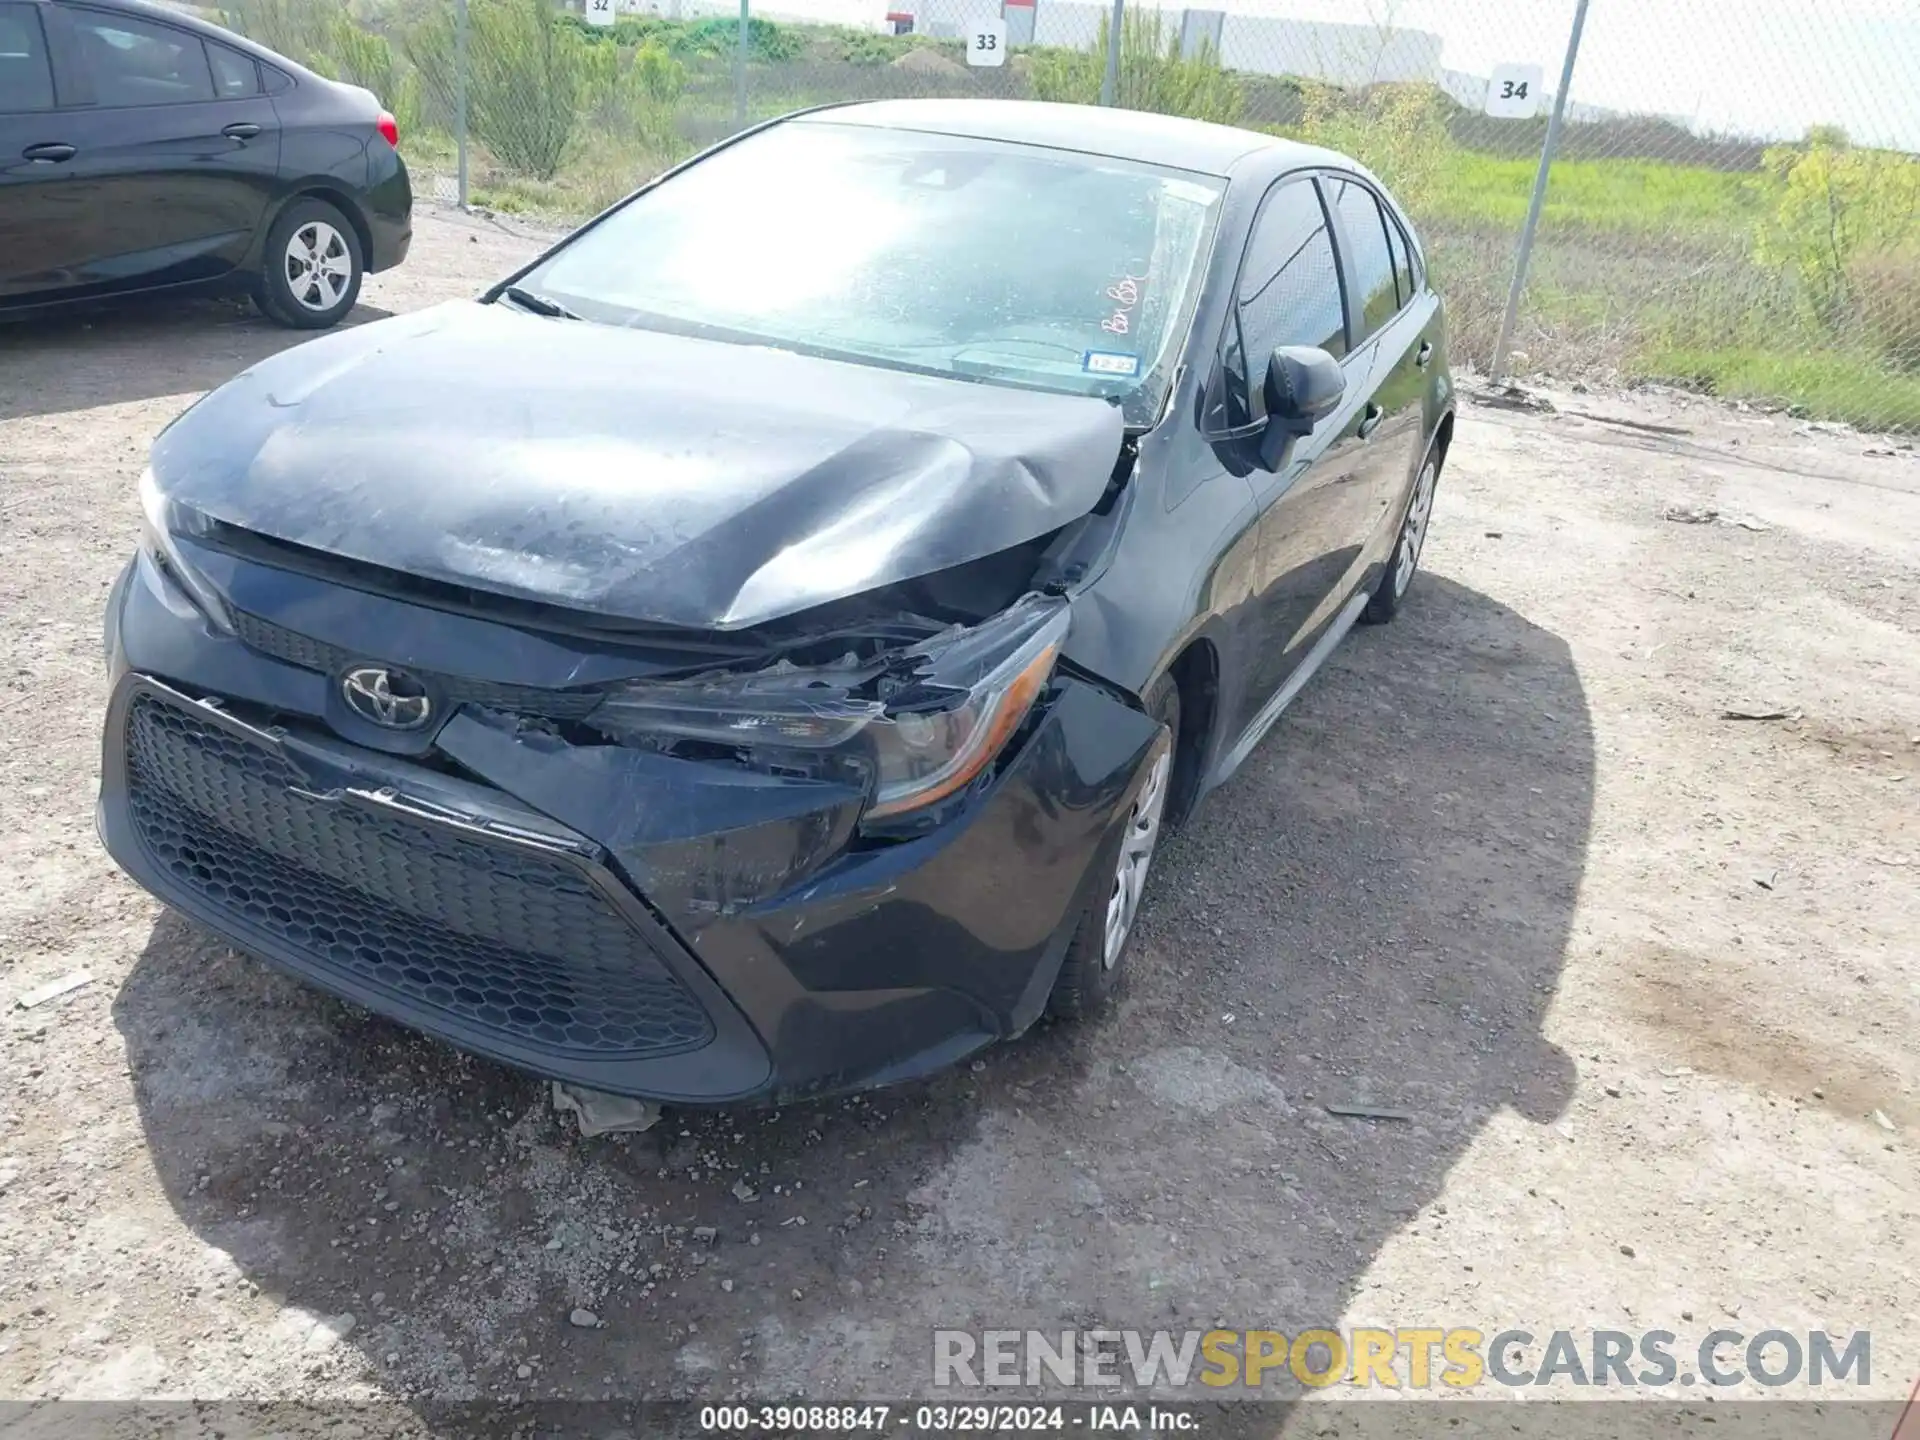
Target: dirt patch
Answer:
[[1496, 871], [1697, 1006]]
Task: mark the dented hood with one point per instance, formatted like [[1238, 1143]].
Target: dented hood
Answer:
[[627, 472]]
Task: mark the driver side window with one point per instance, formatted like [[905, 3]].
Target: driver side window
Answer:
[[1289, 283], [1289, 294]]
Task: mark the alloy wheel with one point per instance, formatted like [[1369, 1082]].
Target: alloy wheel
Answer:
[[1136, 855], [1414, 533], [319, 266]]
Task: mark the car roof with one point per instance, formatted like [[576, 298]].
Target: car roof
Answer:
[[1169, 140]]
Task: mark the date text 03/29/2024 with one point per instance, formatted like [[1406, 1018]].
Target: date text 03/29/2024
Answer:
[[878, 1419]]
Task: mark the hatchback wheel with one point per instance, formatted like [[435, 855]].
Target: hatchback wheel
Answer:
[[1096, 957], [1405, 560], [312, 269]]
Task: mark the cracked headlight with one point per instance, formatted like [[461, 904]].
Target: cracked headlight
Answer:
[[915, 725], [160, 521]]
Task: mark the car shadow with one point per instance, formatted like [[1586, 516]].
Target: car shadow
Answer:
[[1374, 912], [105, 354]]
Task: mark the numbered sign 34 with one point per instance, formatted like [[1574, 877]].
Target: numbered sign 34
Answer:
[[987, 42], [601, 12], [1514, 91]]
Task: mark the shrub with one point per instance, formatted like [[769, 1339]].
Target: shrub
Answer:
[[1153, 75], [528, 75], [627, 32], [1399, 131], [301, 30], [324, 36], [427, 42], [362, 58], [719, 35], [1830, 204], [863, 47], [1885, 288], [633, 95]]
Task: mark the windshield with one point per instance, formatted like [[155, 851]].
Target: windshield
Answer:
[[1010, 264]]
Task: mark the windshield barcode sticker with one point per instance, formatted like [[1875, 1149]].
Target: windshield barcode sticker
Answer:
[[1110, 362]]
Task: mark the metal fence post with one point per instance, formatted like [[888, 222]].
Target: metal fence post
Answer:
[[460, 92], [1110, 83], [1501, 346], [740, 73]]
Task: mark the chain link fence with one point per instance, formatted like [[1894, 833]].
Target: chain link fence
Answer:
[[1733, 200]]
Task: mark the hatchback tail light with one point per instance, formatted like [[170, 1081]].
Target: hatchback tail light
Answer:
[[389, 127]]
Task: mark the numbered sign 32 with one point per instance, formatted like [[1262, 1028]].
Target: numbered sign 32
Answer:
[[1514, 93], [987, 42], [600, 12]]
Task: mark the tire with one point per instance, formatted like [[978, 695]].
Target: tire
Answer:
[[1404, 563], [311, 271], [1095, 963]]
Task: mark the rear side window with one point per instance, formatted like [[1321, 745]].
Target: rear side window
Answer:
[[1289, 285], [1369, 267], [26, 80], [135, 62], [233, 73], [276, 82]]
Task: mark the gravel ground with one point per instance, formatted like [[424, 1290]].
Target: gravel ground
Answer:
[[1640, 974]]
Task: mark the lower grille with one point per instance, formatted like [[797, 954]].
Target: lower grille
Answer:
[[517, 943]]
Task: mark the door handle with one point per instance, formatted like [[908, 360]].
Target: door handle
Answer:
[[1372, 421], [241, 130], [49, 154], [1424, 356]]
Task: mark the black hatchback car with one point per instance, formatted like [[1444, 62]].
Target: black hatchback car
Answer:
[[141, 149], [756, 650]]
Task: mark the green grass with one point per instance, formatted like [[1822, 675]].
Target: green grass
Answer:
[[1822, 386], [1638, 198]]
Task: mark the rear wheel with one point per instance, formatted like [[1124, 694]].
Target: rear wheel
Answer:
[[310, 276], [1096, 957]]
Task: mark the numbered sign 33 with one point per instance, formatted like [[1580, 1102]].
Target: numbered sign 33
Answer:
[[1514, 93], [987, 42], [601, 12]]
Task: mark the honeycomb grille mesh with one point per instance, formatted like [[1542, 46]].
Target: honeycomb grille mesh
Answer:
[[507, 941], [311, 654]]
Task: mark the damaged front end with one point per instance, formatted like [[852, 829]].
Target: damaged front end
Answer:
[[845, 850], [694, 717]]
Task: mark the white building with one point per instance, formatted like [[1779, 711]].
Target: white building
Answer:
[[1260, 44]]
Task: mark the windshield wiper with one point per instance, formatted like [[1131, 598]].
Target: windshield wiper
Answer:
[[538, 304]]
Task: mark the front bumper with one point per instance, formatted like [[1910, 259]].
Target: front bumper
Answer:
[[624, 920]]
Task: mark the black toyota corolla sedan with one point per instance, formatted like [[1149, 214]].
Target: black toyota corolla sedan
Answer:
[[754, 650], [142, 149]]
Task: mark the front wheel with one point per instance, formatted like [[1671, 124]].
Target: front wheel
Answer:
[[1405, 560], [1096, 957], [311, 273]]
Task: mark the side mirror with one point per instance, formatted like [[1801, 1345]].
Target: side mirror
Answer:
[[1304, 386]]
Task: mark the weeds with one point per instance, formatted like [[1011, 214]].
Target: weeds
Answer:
[[1845, 223], [324, 36], [1153, 74], [1397, 131]]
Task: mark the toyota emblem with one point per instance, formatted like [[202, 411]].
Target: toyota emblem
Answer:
[[391, 699]]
